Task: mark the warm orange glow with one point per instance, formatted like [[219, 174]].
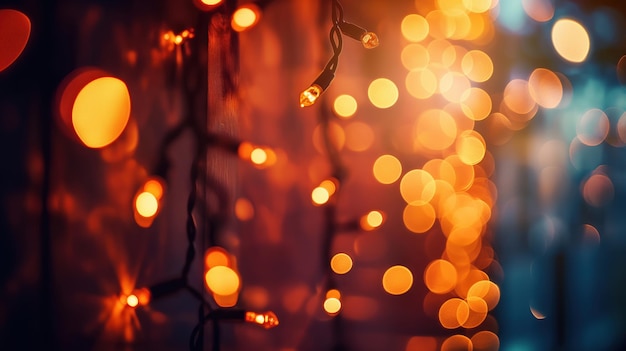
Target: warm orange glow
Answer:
[[341, 263], [453, 313], [471, 147], [14, 34], [345, 106], [226, 300], [359, 136], [478, 6], [101, 111], [476, 104], [435, 129], [421, 343], [477, 312], [245, 17], [417, 187], [387, 169], [261, 157], [414, 57], [320, 196], [373, 219], [267, 319], [414, 27], [485, 341], [244, 210], [440, 276], [211, 2], [336, 135], [147, 201], [330, 185], [258, 156], [419, 218], [570, 40], [453, 86], [545, 88], [440, 24], [397, 280], [139, 297], [146, 204], [216, 256], [132, 300], [517, 97], [310, 95], [333, 293], [477, 66], [421, 83], [486, 290], [440, 170], [382, 93], [332, 305], [457, 343], [222, 280], [443, 194], [441, 52], [154, 187]]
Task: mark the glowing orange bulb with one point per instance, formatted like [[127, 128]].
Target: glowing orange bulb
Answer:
[[308, 97], [332, 305], [370, 40], [132, 300], [372, 220], [139, 297], [222, 280], [320, 196], [266, 319], [245, 17], [258, 156], [211, 2], [147, 204]]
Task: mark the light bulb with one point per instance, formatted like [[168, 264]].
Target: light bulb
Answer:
[[147, 201], [368, 39], [372, 220], [139, 297], [266, 319], [261, 157], [310, 95]]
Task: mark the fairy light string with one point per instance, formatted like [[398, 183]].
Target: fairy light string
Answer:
[[337, 30], [203, 184]]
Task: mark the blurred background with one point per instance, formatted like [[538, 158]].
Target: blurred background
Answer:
[[461, 186]]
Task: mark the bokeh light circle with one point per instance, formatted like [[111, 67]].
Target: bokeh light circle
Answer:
[[397, 280], [14, 35], [101, 111], [382, 93], [570, 40]]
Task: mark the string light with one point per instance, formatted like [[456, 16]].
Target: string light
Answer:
[[368, 39], [321, 83], [266, 319], [221, 277]]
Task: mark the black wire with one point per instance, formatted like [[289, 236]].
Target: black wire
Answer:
[[191, 227]]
